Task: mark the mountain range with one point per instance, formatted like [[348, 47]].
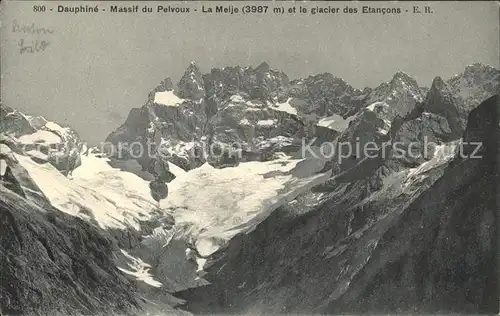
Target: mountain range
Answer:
[[238, 208]]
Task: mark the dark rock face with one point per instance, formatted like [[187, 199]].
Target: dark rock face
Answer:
[[54, 263], [456, 97], [440, 101], [431, 248], [423, 134]]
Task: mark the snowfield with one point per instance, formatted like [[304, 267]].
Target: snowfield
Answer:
[[209, 205], [97, 192], [213, 205]]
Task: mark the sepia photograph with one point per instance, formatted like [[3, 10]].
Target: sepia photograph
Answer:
[[249, 158]]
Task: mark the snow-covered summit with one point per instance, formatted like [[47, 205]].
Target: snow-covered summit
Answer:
[[36, 137]]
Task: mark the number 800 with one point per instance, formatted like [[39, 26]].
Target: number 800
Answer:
[[38, 8]]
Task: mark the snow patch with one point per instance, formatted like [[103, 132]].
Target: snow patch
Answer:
[[278, 140], [285, 107], [236, 98], [266, 123], [245, 122], [168, 98], [179, 148], [335, 122], [3, 167], [442, 154], [139, 269], [201, 263], [254, 104]]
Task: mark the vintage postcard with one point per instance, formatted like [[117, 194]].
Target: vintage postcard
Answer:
[[249, 158]]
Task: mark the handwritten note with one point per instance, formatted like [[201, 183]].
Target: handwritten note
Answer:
[[35, 39]]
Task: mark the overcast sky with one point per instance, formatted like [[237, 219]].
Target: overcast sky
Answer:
[[99, 66]]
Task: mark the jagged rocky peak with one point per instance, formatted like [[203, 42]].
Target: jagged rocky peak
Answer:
[[438, 83], [382, 115], [260, 83], [402, 75], [475, 74], [263, 67], [480, 69], [268, 84], [367, 90], [242, 103], [456, 97], [438, 94], [191, 85], [273, 84], [265, 70], [403, 81], [324, 79], [397, 97], [477, 83], [401, 94]]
